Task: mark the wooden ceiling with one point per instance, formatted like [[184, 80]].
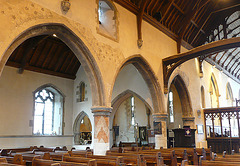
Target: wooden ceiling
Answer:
[[190, 23], [45, 54]]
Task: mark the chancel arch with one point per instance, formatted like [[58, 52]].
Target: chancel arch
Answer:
[[214, 92]]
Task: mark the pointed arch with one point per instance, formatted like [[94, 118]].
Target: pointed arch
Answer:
[[75, 44], [184, 96], [50, 86], [117, 101], [149, 77], [55, 113], [77, 127]]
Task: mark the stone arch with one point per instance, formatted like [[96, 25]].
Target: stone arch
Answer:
[[76, 126], [117, 101], [51, 86], [149, 77], [75, 44], [214, 88], [185, 100]]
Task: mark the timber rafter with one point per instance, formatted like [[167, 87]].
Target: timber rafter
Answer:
[[172, 62]]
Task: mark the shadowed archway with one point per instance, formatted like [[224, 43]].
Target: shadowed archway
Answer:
[[78, 48]]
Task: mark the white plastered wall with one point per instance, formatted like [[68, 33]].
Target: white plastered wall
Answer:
[[16, 100], [82, 19], [85, 106]]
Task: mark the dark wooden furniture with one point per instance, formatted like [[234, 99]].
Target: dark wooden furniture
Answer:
[[182, 139], [222, 129]]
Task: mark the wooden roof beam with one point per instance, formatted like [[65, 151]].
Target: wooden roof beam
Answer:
[[237, 59], [193, 22], [172, 62], [227, 58], [191, 12], [166, 13], [27, 52]]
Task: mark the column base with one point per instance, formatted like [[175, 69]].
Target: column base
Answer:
[[100, 148], [160, 141]]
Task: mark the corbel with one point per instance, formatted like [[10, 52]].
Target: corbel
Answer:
[[139, 22]]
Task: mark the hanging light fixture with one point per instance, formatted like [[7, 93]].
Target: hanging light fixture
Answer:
[[65, 4]]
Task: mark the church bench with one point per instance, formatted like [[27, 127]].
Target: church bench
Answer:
[[189, 154], [129, 158], [227, 159], [7, 164], [98, 161], [118, 159], [17, 159], [170, 156], [3, 160], [149, 158], [42, 162], [218, 163], [80, 153]]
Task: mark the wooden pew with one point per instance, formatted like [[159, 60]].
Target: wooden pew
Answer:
[[218, 163], [98, 161], [130, 158], [118, 159], [41, 162], [80, 153], [148, 158], [3, 160]]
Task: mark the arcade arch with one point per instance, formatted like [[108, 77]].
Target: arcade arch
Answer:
[[75, 44], [180, 104]]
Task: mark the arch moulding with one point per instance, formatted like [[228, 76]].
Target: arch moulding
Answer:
[[149, 77], [75, 44]]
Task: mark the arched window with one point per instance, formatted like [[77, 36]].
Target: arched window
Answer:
[[229, 94], [203, 97], [107, 19], [132, 105], [82, 91], [48, 111], [170, 100]]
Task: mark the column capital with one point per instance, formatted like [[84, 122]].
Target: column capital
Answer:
[[188, 118], [101, 110], [157, 117]]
